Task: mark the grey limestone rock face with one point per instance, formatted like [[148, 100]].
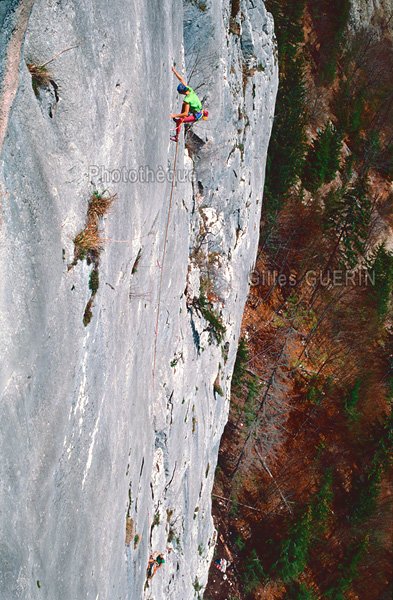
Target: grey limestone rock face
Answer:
[[367, 13], [14, 16], [87, 438]]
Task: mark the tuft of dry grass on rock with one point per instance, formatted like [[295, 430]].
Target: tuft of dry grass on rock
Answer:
[[89, 243], [40, 76], [99, 205], [129, 531], [89, 239]]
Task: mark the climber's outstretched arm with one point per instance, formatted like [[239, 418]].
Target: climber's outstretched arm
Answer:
[[180, 78], [184, 112]]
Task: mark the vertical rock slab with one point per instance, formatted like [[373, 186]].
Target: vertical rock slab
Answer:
[[367, 13], [229, 61], [14, 16], [88, 445]]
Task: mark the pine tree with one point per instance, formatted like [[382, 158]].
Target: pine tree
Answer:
[[347, 218], [294, 552], [351, 400], [348, 569], [299, 591], [330, 18], [323, 159], [253, 573], [239, 370], [288, 18], [380, 266], [288, 140], [321, 504], [364, 494]]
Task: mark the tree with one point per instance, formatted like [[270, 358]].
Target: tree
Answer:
[[347, 219], [288, 17], [294, 551], [330, 18], [380, 264], [348, 568], [288, 140], [299, 591], [239, 370], [323, 159], [253, 573]]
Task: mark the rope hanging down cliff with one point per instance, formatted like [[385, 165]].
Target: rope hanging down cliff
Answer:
[[192, 110], [163, 260]]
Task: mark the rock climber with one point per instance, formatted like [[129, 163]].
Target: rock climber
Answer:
[[155, 562], [222, 564], [191, 110]]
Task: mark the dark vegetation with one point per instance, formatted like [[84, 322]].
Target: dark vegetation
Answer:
[[305, 464], [40, 77], [89, 244], [215, 326]]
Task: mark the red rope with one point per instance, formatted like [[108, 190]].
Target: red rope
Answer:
[[163, 259]]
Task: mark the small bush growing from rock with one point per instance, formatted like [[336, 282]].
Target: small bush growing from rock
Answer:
[[136, 263], [40, 77], [216, 328], [217, 388], [87, 317], [94, 281]]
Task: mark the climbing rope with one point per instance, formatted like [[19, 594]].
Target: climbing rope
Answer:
[[163, 258]]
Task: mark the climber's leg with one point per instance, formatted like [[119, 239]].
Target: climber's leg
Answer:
[[178, 122]]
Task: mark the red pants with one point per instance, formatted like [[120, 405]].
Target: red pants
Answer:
[[178, 122]]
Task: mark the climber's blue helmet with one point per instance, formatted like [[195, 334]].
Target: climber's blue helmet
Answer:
[[181, 88]]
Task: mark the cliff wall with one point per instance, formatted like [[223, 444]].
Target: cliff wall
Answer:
[[88, 441]]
